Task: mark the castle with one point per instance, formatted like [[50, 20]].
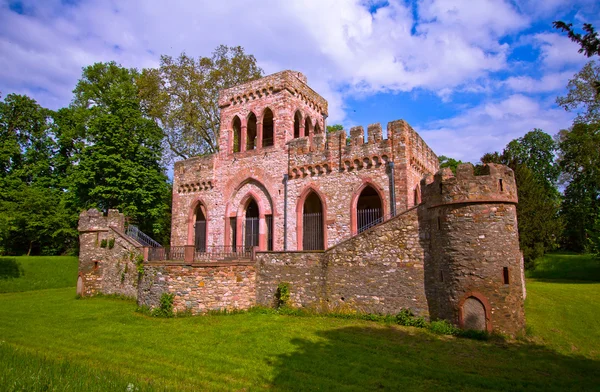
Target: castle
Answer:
[[346, 223]]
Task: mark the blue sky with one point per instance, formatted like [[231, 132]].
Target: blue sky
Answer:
[[468, 75]]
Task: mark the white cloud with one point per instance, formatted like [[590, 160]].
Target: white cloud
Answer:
[[554, 81], [558, 51], [490, 125]]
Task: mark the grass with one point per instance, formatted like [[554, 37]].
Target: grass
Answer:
[[37, 273], [566, 266], [51, 341]]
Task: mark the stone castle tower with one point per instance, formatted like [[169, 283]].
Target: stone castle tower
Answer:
[[474, 270]]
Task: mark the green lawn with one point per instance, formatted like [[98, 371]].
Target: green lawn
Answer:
[[51, 341], [37, 272]]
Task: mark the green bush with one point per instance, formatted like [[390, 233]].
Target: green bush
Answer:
[[282, 294], [111, 243], [165, 308], [442, 327], [10, 268], [139, 264]]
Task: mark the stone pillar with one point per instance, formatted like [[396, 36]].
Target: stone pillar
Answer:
[[243, 138], [259, 135]]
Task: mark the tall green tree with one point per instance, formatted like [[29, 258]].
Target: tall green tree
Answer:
[[117, 162], [449, 162], [580, 163], [33, 214], [181, 96], [532, 158], [582, 95]]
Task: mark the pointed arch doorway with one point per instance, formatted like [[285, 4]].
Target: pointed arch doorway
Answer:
[[251, 225]]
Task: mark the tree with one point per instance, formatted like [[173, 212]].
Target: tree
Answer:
[[590, 44], [117, 165], [335, 128], [532, 159], [34, 217], [583, 94], [181, 96], [449, 162], [580, 162]]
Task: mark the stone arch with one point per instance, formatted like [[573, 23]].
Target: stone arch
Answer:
[[354, 204], [297, 124], [235, 213], [236, 134], [251, 131], [474, 312], [307, 126], [300, 224], [195, 207], [268, 128]]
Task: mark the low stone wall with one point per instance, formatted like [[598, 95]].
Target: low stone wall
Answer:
[[378, 271], [199, 287]]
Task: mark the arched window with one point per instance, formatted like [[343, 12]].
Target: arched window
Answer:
[[297, 119], [317, 128], [268, 128], [312, 223], [237, 134], [251, 132], [369, 211], [307, 126], [251, 224], [200, 229]]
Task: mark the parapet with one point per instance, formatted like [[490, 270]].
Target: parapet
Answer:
[[495, 184], [94, 220], [293, 81]]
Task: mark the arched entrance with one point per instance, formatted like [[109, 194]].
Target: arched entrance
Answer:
[[200, 229], [473, 314], [312, 223], [369, 209], [251, 224]]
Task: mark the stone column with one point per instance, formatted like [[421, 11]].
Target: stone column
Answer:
[[259, 135], [243, 137], [262, 233]]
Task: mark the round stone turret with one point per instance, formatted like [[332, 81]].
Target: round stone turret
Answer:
[[474, 270]]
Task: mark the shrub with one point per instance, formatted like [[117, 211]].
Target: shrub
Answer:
[[165, 308], [139, 264], [442, 327], [111, 243], [282, 294], [103, 243]]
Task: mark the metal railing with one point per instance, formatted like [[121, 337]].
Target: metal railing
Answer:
[[189, 253], [138, 235], [368, 217], [375, 222]]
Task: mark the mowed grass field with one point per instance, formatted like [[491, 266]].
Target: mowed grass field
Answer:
[[49, 340]]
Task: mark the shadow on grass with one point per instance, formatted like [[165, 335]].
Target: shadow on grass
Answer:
[[10, 268], [566, 267], [389, 358]]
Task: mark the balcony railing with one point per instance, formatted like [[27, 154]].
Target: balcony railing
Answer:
[[189, 254]]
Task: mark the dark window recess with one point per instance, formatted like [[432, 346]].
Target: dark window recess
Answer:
[[500, 185], [439, 222], [269, 221], [233, 227], [505, 274], [441, 276]]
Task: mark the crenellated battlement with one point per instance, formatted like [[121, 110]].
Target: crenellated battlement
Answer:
[[93, 220], [495, 184], [194, 174], [293, 81]]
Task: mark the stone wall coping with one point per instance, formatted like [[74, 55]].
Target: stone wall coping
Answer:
[[207, 264], [476, 201], [93, 230], [291, 251]]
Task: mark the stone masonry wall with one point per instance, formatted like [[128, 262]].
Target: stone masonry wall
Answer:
[[201, 287], [380, 270], [106, 270]]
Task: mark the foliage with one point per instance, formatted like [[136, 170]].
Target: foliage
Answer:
[[335, 128], [532, 159], [181, 96], [10, 268], [103, 243], [580, 163], [590, 44], [442, 327], [118, 165], [583, 95], [33, 215], [165, 307], [449, 162], [111, 243], [594, 236], [282, 294], [139, 264]]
